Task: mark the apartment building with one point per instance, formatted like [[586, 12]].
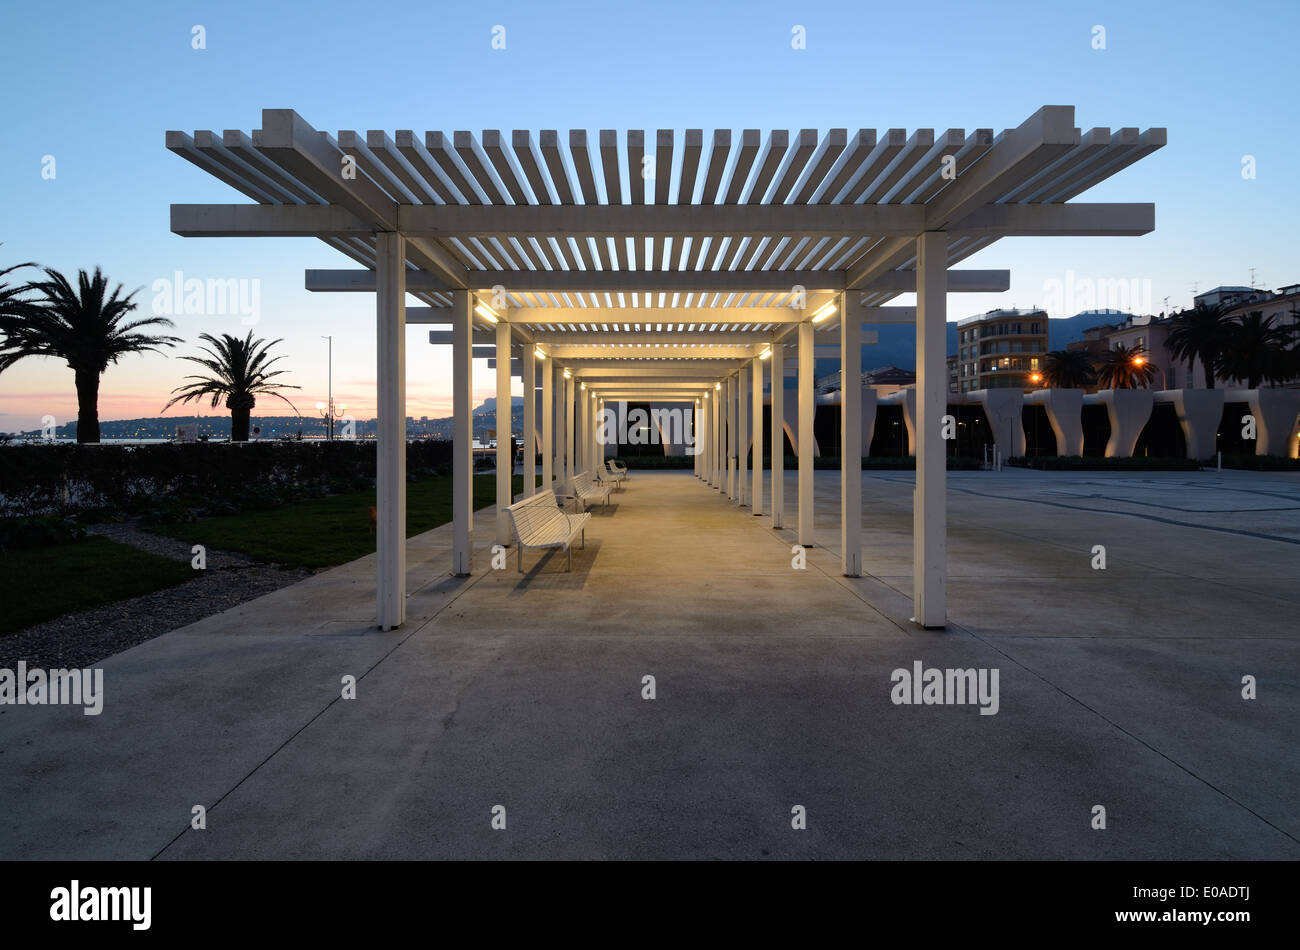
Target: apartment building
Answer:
[[998, 350]]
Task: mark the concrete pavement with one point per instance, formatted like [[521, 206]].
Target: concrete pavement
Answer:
[[1119, 688]]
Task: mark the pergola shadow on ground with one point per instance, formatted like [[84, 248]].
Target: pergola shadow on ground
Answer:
[[772, 689], [691, 284]]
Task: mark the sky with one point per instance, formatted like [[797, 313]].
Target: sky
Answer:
[[96, 86]]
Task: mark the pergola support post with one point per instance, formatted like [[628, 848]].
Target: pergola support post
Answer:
[[730, 389], [929, 518], [742, 435], [462, 469], [570, 420], [756, 411], [505, 438], [806, 408], [719, 449], [850, 436], [548, 426], [778, 435], [390, 464], [529, 365]]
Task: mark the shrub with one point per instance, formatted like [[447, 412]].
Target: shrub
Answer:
[[59, 478], [1259, 463], [1076, 463], [23, 534]]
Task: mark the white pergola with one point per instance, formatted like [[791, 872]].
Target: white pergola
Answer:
[[671, 271]]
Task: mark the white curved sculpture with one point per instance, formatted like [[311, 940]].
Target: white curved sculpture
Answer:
[[1129, 410], [1199, 412], [1275, 418], [1002, 409], [1064, 414]]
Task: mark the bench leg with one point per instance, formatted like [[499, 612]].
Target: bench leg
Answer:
[[570, 550], [521, 557], [584, 539]]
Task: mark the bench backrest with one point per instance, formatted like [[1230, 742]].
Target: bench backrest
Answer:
[[533, 514], [582, 482]]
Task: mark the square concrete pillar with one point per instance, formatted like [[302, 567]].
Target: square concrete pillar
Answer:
[[505, 440], [929, 512], [777, 400], [756, 412], [462, 469], [850, 436], [548, 425], [528, 363], [390, 462], [807, 407]]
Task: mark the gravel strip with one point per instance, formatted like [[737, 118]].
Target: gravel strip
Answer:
[[84, 638]]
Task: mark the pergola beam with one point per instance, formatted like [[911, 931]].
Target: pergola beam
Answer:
[[702, 351]]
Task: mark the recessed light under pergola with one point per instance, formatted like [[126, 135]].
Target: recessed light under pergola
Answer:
[[674, 271]]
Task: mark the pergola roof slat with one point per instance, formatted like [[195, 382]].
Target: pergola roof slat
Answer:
[[747, 222]]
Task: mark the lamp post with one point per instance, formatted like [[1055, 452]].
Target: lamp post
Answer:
[[329, 383]]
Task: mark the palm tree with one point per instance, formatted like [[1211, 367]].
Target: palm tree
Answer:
[[1199, 334], [1069, 369], [239, 371], [13, 299], [1124, 367], [1256, 349], [84, 327]]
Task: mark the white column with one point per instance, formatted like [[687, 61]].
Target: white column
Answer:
[[561, 397], [390, 464], [570, 459], [701, 424], [462, 469], [778, 435], [742, 435], [579, 428], [806, 410], [529, 363], [730, 389], [548, 425], [850, 436], [756, 410], [929, 516], [505, 442], [719, 453], [706, 431]]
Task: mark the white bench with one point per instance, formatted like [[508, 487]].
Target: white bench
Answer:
[[538, 522], [613, 475], [617, 468], [586, 491]]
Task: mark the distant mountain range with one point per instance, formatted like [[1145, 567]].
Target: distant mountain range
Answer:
[[897, 342]]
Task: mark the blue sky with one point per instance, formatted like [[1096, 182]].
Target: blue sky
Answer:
[[96, 86]]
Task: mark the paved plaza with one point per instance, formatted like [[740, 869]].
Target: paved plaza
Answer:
[[1119, 687]]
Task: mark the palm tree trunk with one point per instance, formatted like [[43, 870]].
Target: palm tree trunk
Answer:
[[87, 383], [1209, 372], [239, 424]]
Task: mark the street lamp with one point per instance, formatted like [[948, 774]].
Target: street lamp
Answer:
[[1142, 361], [329, 414]]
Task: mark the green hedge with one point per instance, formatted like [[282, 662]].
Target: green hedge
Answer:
[[869, 463], [1080, 463], [99, 480], [26, 534], [1258, 463]]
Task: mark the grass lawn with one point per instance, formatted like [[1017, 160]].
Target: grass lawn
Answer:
[[42, 583], [322, 532]]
